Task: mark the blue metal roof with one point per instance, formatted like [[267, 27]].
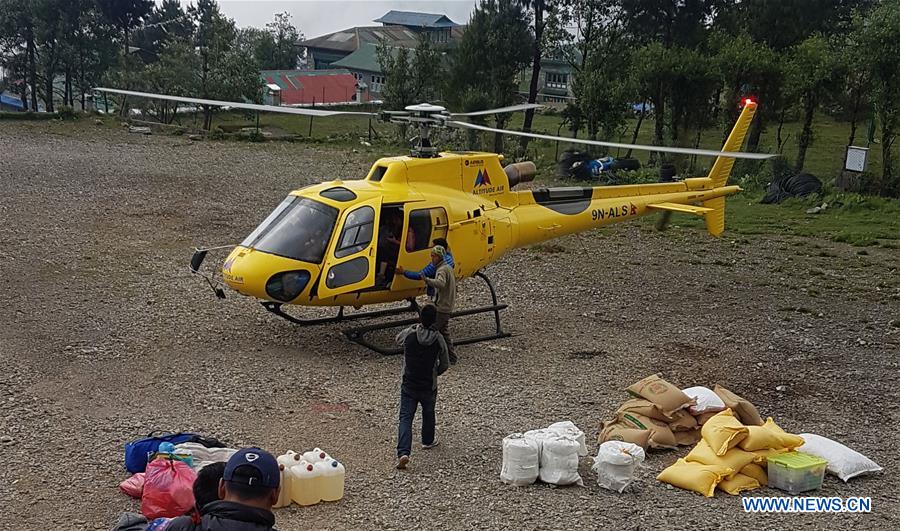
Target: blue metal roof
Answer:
[[418, 20], [11, 101]]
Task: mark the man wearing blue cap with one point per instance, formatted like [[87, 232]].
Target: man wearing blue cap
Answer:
[[247, 491]]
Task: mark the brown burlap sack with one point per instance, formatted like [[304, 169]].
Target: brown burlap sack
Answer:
[[645, 408], [703, 417], [660, 434], [666, 396], [615, 431], [687, 438], [743, 409], [682, 420]]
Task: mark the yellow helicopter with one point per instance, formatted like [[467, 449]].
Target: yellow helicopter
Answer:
[[337, 243]]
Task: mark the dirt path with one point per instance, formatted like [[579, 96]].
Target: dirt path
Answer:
[[106, 336]]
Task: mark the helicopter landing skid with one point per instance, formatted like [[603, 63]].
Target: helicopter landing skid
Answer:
[[275, 307], [358, 335]]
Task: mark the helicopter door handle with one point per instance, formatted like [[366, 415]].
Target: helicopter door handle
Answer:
[[551, 227]]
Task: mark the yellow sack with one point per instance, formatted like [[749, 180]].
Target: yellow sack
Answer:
[[738, 484], [694, 476], [763, 455], [769, 435], [756, 472], [735, 458], [723, 431]]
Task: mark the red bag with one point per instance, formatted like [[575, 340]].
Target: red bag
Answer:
[[133, 486], [168, 489]]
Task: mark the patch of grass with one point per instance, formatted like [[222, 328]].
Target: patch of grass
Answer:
[[857, 220]]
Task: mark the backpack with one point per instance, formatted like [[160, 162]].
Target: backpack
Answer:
[[138, 452]]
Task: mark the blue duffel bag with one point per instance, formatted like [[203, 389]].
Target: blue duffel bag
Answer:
[[138, 452]]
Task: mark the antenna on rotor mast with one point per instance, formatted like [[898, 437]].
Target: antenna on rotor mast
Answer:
[[423, 115]]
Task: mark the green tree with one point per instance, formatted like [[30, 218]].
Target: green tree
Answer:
[[125, 15], [168, 21], [285, 37], [226, 72], [174, 73], [811, 72], [669, 22], [745, 68], [654, 67], [602, 87], [878, 38], [541, 12], [398, 89], [496, 46], [18, 49]]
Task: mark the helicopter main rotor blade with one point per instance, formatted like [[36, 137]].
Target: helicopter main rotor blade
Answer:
[[248, 106], [501, 110], [662, 149]]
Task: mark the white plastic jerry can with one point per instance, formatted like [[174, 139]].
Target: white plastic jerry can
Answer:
[[284, 495], [305, 484], [332, 479], [315, 455]]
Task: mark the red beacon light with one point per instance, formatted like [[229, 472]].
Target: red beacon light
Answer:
[[748, 101]]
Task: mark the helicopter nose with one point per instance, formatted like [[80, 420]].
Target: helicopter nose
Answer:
[[266, 276]]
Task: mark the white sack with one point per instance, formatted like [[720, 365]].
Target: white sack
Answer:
[[521, 460], [568, 427], [538, 436], [615, 464], [842, 461], [201, 453], [559, 461], [707, 400]]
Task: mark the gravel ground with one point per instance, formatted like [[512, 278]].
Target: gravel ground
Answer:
[[107, 337]]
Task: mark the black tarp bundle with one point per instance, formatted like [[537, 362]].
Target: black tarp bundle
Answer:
[[792, 186]]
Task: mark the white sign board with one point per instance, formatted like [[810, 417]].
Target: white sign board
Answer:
[[857, 157]]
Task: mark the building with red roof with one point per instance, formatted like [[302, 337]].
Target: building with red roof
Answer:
[[298, 87]]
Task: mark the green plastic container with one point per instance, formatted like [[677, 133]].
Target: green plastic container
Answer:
[[796, 472]]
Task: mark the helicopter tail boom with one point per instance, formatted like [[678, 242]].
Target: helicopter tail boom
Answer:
[[722, 167]]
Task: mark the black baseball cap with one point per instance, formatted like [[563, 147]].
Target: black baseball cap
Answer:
[[261, 460]]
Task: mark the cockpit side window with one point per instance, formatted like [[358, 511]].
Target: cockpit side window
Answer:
[[357, 232]]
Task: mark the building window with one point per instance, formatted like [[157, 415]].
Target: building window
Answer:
[[377, 83], [558, 81]]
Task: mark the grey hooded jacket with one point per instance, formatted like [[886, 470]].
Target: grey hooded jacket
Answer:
[[424, 358]]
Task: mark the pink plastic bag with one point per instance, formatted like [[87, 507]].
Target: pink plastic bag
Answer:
[[133, 486], [168, 488]]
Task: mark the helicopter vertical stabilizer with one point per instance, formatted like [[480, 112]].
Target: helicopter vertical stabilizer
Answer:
[[722, 167], [715, 220]]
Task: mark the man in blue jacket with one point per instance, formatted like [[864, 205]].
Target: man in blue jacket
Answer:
[[429, 270]]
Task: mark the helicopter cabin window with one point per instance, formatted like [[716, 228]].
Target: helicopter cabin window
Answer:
[[299, 229], [349, 272], [378, 173], [357, 232], [338, 193], [424, 226]]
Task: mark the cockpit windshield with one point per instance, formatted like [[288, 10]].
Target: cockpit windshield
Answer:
[[299, 228]]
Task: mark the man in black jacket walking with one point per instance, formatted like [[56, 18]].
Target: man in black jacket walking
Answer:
[[424, 358]]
